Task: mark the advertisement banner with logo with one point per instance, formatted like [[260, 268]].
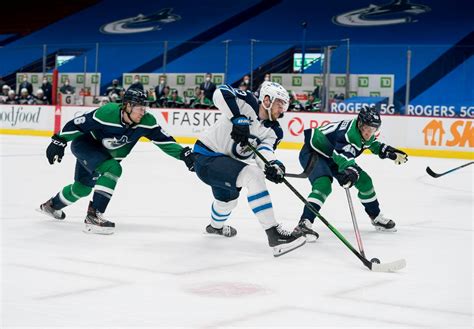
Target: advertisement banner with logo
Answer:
[[186, 123], [429, 136], [425, 133], [27, 117]]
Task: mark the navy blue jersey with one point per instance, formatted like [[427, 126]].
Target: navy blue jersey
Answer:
[[107, 127], [340, 141]]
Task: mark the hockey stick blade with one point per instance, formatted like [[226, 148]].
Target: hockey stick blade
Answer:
[[389, 267], [302, 175], [432, 173], [307, 170], [435, 175]]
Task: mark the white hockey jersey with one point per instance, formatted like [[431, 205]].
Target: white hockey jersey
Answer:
[[264, 134]]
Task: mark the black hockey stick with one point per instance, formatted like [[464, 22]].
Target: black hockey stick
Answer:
[[387, 267], [307, 170], [435, 175]]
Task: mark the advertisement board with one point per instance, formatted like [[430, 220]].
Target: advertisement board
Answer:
[[27, 117], [429, 136]]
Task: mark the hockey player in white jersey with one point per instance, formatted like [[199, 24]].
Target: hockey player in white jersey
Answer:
[[225, 162]]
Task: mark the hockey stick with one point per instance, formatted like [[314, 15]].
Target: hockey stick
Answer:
[[435, 175], [307, 170], [387, 267], [354, 222]]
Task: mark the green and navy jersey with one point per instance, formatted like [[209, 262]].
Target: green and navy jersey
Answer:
[[340, 141], [106, 126]]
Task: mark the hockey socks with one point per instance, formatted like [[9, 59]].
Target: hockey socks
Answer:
[[258, 198], [110, 171]]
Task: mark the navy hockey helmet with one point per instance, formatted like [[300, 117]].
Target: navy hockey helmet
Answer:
[[369, 116], [134, 97]]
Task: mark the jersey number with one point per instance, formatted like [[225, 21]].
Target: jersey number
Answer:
[[79, 120]]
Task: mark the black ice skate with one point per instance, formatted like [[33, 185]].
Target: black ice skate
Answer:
[[283, 241], [226, 230], [96, 223], [384, 224], [305, 226], [47, 209]]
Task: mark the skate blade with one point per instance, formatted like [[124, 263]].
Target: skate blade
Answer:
[[286, 248], [311, 238], [383, 229], [49, 214], [93, 229]]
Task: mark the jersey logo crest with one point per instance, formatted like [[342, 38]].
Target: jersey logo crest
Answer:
[[396, 12], [114, 143], [141, 23], [244, 152], [349, 149]]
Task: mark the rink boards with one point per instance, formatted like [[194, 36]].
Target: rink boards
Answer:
[[418, 135]]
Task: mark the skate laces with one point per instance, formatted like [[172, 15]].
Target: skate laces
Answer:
[[381, 219], [282, 231], [306, 224], [226, 230], [98, 217]]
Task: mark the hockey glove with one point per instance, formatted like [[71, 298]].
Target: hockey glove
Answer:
[[349, 176], [240, 129], [275, 171], [398, 156], [55, 150], [188, 157]]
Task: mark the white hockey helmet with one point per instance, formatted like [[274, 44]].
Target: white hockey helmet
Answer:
[[273, 90]]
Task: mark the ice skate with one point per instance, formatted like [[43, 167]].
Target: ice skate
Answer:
[[305, 226], [96, 223], [47, 209], [283, 241], [383, 224], [226, 230]]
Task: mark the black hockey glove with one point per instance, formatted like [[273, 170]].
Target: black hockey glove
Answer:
[[240, 129], [398, 156], [349, 176], [275, 171], [55, 150], [188, 157]]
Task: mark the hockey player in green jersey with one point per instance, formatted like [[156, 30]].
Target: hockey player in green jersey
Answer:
[[100, 140], [336, 145]]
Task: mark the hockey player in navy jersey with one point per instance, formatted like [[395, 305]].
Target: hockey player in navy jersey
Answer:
[[336, 146], [225, 162], [100, 140]]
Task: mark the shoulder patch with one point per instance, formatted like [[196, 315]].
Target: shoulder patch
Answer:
[[109, 115]]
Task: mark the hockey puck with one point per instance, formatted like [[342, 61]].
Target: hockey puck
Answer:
[[375, 260]]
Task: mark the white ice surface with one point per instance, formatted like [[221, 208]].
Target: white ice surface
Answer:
[[160, 270]]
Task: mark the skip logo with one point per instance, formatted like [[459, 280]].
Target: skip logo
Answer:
[[114, 143], [396, 12], [141, 23], [461, 133]]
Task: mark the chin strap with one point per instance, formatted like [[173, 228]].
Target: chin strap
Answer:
[[269, 110]]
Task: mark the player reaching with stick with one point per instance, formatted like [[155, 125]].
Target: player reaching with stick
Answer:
[[100, 140]]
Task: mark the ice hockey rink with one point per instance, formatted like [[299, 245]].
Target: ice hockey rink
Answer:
[[160, 270]]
